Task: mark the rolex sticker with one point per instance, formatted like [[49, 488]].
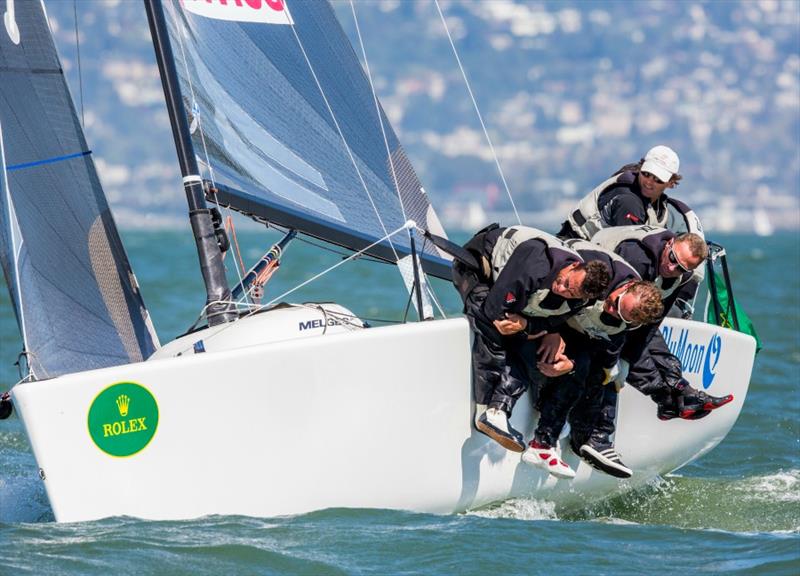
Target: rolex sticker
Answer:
[[123, 419]]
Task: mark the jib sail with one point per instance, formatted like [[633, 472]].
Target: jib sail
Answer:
[[74, 294]]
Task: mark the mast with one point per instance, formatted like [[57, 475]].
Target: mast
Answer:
[[208, 249]]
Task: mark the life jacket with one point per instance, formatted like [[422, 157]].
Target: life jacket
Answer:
[[682, 219], [593, 320], [674, 215], [587, 220], [652, 241], [542, 302]]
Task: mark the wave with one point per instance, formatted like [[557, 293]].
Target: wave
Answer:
[[519, 509], [764, 504], [22, 499], [780, 487]]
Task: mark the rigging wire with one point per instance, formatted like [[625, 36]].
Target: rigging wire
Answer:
[[16, 248], [258, 308], [197, 116], [386, 140], [378, 113], [78, 49], [363, 257], [344, 140], [329, 269], [235, 241], [477, 110]]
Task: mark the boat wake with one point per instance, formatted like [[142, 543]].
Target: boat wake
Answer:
[[780, 487], [756, 504], [519, 509]]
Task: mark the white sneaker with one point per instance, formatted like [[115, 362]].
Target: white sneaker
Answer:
[[546, 458], [494, 423]]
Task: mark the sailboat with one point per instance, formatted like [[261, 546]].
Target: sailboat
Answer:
[[274, 117]]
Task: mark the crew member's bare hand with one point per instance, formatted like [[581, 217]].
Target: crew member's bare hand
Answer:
[[511, 324], [552, 347], [552, 369]]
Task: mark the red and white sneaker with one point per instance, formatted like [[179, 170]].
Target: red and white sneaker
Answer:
[[546, 458]]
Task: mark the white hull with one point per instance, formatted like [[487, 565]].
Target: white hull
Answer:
[[376, 418]]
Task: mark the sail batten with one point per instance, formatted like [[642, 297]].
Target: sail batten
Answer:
[[286, 123], [73, 291]]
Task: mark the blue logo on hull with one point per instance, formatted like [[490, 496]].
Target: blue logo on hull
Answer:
[[712, 358], [694, 356]]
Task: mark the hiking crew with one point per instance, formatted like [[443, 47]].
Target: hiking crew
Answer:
[[526, 283], [668, 261], [594, 337]]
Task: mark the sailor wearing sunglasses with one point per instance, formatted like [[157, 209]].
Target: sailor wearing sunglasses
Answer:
[[634, 195], [594, 337], [522, 284], [668, 260]]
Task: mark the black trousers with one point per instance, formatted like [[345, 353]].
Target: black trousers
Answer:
[[654, 371], [502, 366], [571, 394]]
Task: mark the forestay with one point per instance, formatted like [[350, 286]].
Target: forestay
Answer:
[[282, 113], [73, 291]]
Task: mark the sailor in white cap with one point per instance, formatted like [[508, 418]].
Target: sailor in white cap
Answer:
[[634, 195]]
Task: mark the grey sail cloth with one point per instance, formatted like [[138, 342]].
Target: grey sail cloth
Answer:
[[281, 110], [72, 288]]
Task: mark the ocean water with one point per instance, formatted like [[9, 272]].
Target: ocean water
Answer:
[[735, 511]]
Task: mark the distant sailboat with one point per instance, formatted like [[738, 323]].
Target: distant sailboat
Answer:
[[761, 223], [273, 116]]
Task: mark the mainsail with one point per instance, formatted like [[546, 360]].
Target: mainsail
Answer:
[[285, 123], [73, 291]]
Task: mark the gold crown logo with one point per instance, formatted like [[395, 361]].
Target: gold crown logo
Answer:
[[122, 404]]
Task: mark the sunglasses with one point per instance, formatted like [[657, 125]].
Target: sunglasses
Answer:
[[674, 259], [650, 176], [618, 306]]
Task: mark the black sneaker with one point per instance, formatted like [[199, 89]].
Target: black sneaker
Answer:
[[494, 423], [605, 458], [690, 404], [667, 410], [697, 404]]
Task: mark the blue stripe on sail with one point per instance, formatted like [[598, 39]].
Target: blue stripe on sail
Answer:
[[47, 161]]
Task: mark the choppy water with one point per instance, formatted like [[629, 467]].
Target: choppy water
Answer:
[[735, 511]]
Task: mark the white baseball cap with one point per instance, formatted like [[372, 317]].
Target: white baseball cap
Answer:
[[662, 162]]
